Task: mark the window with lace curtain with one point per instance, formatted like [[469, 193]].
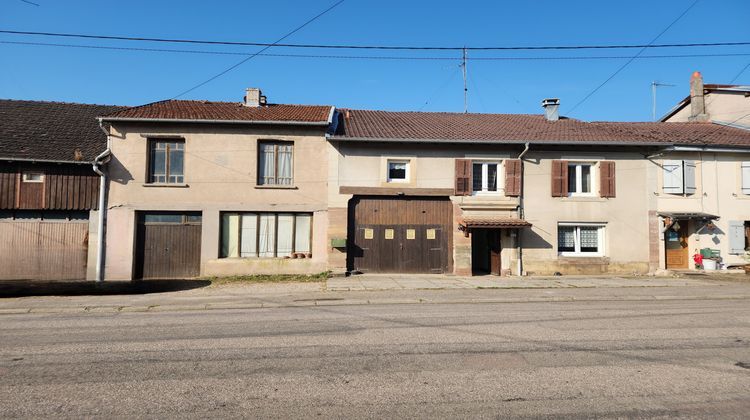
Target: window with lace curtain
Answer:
[[275, 163], [580, 239], [265, 235]]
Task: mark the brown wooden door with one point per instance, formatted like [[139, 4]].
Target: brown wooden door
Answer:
[[400, 235], [168, 245], [676, 244], [495, 248]]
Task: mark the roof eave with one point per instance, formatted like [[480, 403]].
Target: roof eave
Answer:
[[203, 121], [75, 162], [495, 141]]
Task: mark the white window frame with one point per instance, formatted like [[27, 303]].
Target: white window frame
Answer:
[[25, 177], [407, 175], [485, 179], [579, 179], [601, 235], [745, 177]]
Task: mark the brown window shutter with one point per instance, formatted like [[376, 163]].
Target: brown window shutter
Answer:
[[513, 177], [559, 178], [607, 179], [463, 177]]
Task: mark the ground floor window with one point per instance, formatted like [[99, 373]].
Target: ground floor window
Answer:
[[265, 235], [580, 239]]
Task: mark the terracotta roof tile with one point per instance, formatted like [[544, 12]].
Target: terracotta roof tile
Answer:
[[36, 130], [223, 111], [519, 128]]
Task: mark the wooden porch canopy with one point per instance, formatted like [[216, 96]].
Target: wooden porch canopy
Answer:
[[469, 223]]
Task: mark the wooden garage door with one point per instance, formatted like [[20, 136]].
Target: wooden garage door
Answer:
[[168, 245], [37, 249], [400, 235]]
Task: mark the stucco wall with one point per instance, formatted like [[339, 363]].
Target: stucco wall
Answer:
[[625, 216], [731, 107], [718, 192], [220, 175]]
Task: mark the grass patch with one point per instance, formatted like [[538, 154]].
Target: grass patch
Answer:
[[272, 278]]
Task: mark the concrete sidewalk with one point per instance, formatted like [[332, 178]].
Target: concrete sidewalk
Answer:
[[363, 290], [427, 282]]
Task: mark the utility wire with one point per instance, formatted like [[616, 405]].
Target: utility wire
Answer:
[[234, 66], [368, 57], [378, 47], [740, 73], [621, 68]]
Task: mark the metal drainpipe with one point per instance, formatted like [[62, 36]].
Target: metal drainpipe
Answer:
[[98, 162], [521, 212]]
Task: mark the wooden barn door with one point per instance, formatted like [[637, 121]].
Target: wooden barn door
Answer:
[[400, 235], [168, 245]]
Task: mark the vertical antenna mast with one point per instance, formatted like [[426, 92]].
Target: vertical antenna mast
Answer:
[[463, 65], [655, 85]]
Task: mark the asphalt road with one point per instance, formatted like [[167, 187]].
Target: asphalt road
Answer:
[[567, 359]]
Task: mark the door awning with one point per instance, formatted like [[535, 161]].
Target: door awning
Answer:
[[676, 215], [493, 223]]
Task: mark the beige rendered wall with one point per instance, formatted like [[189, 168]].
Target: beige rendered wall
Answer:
[[730, 107], [626, 216], [626, 234], [718, 192], [220, 175]]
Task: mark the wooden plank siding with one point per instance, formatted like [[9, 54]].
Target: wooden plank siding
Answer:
[[401, 235], [65, 187], [38, 250]]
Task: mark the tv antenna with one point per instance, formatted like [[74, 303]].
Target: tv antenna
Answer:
[[655, 85], [466, 91]]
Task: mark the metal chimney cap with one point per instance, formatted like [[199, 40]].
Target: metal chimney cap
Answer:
[[550, 101]]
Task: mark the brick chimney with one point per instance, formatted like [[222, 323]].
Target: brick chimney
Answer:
[[254, 98], [697, 100]]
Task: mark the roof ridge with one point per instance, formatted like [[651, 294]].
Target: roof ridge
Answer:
[[58, 102]]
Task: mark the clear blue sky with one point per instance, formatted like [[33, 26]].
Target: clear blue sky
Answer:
[[132, 78]]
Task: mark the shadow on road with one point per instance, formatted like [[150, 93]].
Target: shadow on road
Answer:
[[22, 288]]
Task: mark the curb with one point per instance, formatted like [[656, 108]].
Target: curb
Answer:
[[344, 302]]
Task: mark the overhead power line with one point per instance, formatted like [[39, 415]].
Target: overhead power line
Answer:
[[234, 66], [621, 68], [377, 47], [371, 57]]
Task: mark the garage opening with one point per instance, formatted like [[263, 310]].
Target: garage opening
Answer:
[[400, 235], [43, 245], [168, 245]]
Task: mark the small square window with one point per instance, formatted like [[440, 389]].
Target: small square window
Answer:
[[33, 177], [398, 171]]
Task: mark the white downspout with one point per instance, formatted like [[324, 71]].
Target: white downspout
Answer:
[[97, 164], [521, 212]]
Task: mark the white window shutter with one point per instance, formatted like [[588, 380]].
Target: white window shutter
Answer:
[[673, 177], [746, 177], [736, 237], [689, 172]]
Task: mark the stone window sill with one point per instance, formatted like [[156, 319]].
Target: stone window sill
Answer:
[[276, 187], [165, 185]]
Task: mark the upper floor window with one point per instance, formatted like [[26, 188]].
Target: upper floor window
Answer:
[[745, 178], [398, 171], [33, 177], [484, 177], [166, 161], [679, 176], [275, 163], [579, 179]]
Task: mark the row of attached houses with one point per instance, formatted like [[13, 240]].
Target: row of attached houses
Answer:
[[198, 188]]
